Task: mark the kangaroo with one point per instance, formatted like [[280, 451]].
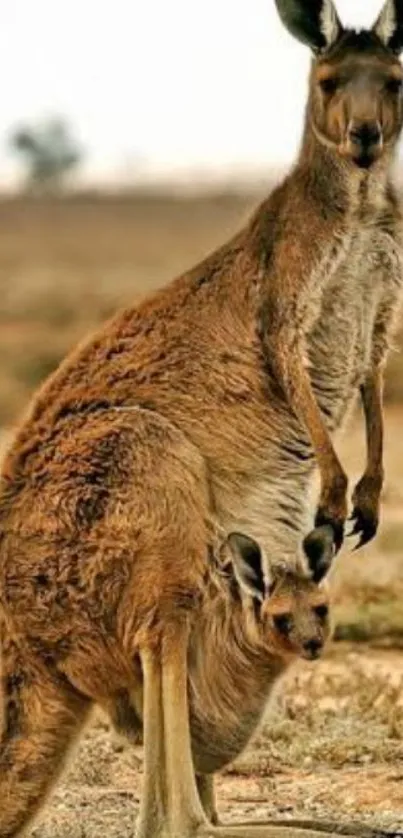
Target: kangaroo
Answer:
[[247, 634], [203, 411]]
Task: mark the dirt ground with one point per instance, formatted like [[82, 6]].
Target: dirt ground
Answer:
[[332, 748], [332, 744]]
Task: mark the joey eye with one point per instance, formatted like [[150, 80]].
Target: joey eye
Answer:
[[283, 623], [321, 611], [394, 86], [329, 85]]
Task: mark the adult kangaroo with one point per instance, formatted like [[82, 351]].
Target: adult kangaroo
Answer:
[[201, 412]]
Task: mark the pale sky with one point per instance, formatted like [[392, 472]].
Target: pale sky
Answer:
[[171, 84]]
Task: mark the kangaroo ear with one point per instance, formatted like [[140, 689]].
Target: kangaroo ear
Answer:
[[389, 26], [314, 22], [319, 549], [248, 564]]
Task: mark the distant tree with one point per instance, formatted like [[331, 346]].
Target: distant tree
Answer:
[[50, 153]]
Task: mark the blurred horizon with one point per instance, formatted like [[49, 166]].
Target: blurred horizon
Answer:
[[159, 93]]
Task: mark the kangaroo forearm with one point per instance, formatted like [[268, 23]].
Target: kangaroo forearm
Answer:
[[367, 493], [372, 400], [297, 388], [289, 369]]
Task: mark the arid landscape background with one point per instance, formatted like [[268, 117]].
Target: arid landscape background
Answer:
[[333, 745]]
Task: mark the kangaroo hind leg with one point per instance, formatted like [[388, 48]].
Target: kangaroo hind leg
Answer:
[[205, 787]]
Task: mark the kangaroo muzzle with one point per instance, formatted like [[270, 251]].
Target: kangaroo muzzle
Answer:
[[364, 142]]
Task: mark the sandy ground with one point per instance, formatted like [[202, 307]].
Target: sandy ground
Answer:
[[332, 748]]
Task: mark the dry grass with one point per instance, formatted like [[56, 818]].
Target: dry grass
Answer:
[[331, 746]]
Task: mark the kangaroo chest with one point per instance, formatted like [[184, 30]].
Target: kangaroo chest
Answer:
[[360, 295], [360, 291]]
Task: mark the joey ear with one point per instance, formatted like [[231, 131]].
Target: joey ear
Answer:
[[389, 25], [314, 22], [248, 564], [319, 549]]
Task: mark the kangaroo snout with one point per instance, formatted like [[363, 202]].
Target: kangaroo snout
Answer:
[[364, 141], [312, 648]]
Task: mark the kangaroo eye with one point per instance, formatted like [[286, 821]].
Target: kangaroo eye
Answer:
[[283, 623], [394, 85], [321, 611], [329, 85]]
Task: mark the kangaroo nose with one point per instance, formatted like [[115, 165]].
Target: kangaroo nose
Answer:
[[365, 134], [312, 647]]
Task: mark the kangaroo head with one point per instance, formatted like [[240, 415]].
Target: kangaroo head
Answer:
[[356, 87], [292, 608]]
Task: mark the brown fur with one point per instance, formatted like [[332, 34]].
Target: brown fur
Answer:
[[200, 412], [237, 653]]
